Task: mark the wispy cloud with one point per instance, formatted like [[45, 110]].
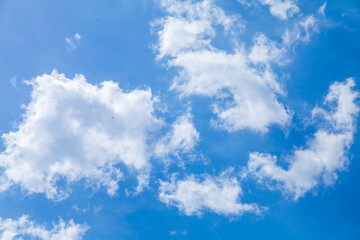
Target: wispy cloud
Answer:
[[13, 82], [322, 9], [73, 42], [282, 9]]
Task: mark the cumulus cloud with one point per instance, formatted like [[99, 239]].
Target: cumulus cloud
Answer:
[[189, 25], [324, 155], [23, 228], [282, 9], [241, 82], [74, 130], [266, 51], [217, 194], [182, 138]]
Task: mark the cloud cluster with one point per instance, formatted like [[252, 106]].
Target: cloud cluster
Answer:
[[241, 83], [217, 194], [245, 92], [74, 130], [23, 228], [325, 153]]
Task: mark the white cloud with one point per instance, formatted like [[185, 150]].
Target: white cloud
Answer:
[[242, 84], [246, 3], [325, 154], [179, 34], [266, 51], [322, 9], [77, 36], [282, 9], [216, 194], [72, 42], [301, 31], [247, 93], [13, 82], [173, 233], [189, 25], [181, 139], [73, 130], [23, 228]]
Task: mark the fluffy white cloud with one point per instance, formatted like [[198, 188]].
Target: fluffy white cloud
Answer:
[[243, 93], [74, 130], [216, 194], [241, 82], [266, 51], [282, 9], [189, 25], [325, 153], [181, 139], [23, 228]]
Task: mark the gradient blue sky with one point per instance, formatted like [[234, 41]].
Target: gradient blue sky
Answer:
[[119, 43]]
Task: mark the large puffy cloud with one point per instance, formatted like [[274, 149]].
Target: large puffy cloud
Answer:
[[74, 130], [241, 82], [217, 194], [244, 93], [23, 228], [325, 153]]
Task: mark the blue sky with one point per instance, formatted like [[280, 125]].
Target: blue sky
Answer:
[[172, 119]]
